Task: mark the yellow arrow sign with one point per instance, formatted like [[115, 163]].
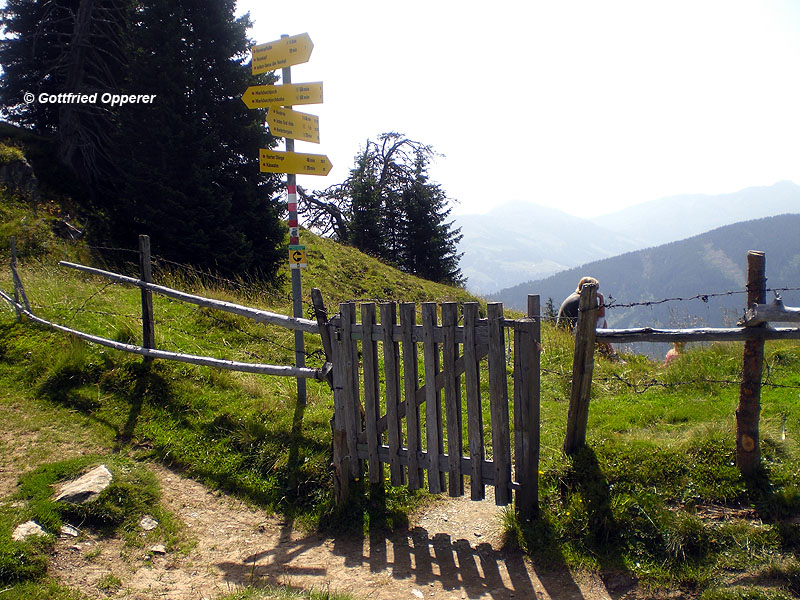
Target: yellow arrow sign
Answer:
[[281, 53], [273, 161], [263, 96], [288, 123], [297, 257]]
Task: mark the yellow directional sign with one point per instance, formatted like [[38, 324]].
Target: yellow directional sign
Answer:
[[273, 161], [288, 123], [297, 257], [264, 96], [281, 53]]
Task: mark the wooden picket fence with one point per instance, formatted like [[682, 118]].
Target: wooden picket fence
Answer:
[[406, 416]]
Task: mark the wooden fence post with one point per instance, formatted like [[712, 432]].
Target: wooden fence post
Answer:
[[19, 289], [372, 391], [433, 405], [452, 398], [391, 365], [408, 322], [341, 452], [498, 403], [350, 384], [527, 336], [582, 367], [472, 386], [146, 275], [748, 453]]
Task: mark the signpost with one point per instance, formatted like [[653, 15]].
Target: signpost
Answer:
[[291, 125], [273, 161], [281, 53], [284, 122], [265, 96]]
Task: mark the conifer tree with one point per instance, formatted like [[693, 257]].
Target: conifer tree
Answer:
[[188, 162]]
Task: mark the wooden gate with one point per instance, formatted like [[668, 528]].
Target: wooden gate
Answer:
[[403, 391]]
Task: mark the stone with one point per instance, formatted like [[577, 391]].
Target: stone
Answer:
[[86, 488], [159, 549], [26, 530], [148, 523], [69, 531]]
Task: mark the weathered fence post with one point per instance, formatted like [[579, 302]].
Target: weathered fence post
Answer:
[[452, 398], [341, 451], [472, 385], [527, 336], [19, 290], [350, 384], [748, 453], [408, 322], [372, 391], [582, 367], [433, 405], [498, 403], [146, 275], [321, 315], [391, 366]]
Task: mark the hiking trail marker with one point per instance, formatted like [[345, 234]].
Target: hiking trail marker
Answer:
[[291, 125]]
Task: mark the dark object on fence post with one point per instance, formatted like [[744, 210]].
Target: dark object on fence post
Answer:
[[748, 452], [498, 404], [527, 336], [321, 316], [146, 274], [582, 367]]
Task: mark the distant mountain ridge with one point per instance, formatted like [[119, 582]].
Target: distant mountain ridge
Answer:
[[707, 264], [523, 241]]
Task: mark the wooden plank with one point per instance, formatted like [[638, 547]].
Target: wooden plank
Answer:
[[527, 335], [452, 399], [438, 335], [350, 387], [321, 316], [433, 408], [702, 334], [474, 408], [582, 369], [498, 403], [774, 312], [261, 316], [408, 319], [483, 351], [486, 467], [369, 353], [205, 361], [391, 369], [146, 274], [748, 412]]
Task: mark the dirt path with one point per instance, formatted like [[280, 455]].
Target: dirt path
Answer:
[[452, 551]]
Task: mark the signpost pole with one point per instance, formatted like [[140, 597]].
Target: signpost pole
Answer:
[[297, 289]]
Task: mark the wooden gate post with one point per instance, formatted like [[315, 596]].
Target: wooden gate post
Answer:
[[748, 453], [146, 275], [582, 367], [527, 336]]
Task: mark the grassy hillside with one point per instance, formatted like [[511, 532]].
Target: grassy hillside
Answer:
[[655, 498]]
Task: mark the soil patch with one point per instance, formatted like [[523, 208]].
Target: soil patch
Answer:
[[452, 550]]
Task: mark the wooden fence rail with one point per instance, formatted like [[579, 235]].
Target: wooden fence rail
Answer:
[[753, 332], [147, 349], [433, 365]]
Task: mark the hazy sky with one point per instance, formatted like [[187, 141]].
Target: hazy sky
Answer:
[[585, 106]]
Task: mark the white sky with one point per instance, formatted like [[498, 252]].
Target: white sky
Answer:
[[585, 106]]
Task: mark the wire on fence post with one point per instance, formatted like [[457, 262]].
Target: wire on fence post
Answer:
[[146, 274]]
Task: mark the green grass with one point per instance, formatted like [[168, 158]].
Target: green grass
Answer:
[[284, 593], [641, 500]]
